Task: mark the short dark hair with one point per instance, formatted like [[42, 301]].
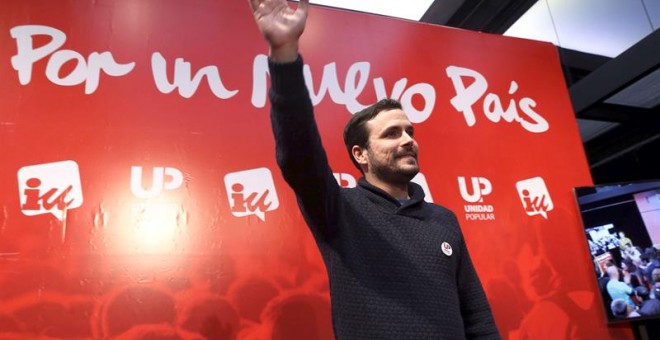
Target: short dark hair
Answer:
[[619, 307], [642, 292], [355, 131], [655, 274]]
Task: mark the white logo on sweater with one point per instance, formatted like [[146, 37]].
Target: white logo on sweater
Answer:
[[446, 248]]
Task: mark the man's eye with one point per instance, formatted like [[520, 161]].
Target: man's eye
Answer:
[[391, 133]]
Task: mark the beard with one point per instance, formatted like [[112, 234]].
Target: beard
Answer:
[[396, 171]]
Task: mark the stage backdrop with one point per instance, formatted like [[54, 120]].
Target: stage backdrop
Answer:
[[139, 192]]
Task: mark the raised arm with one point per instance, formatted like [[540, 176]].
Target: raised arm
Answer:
[[300, 154]]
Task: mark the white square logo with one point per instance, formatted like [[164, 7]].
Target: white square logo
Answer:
[[345, 180], [535, 197], [50, 188], [251, 192], [162, 179], [420, 179], [476, 190]]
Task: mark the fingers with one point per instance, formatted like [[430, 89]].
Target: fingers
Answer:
[[259, 5], [303, 7], [254, 4]]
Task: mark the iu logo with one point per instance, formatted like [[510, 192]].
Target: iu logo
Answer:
[[161, 179], [251, 192], [50, 188], [535, 197], [480, 188]]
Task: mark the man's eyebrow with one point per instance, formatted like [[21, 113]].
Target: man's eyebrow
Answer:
[[390, 128]]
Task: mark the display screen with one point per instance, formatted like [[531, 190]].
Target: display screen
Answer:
[[622, 231]]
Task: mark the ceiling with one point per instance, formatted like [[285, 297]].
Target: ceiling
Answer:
[[615, 94]]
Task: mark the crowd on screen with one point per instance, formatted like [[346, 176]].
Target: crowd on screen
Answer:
[[631, 288]]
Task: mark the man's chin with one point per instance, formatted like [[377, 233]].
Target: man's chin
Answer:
[[409, 162], [402, 173], [409, 171], [410, 165]]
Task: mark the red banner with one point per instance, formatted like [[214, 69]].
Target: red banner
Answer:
[[140, 194]]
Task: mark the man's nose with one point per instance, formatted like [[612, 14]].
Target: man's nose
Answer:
[[406, 139]]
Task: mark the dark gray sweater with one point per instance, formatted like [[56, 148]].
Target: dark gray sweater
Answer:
[[389, 278]]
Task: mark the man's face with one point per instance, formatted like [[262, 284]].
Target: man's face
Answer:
[[392, 152]]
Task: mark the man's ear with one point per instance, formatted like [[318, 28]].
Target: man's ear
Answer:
[[360, 155]]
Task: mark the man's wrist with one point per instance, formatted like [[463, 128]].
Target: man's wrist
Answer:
[[286, 77], [286, 53]]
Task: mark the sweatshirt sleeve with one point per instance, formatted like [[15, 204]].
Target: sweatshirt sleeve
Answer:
[[298, 148]]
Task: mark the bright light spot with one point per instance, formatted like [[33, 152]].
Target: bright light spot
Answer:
[[602, 27], [157, 227], [535, 24]]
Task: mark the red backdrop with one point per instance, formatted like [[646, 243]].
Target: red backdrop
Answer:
[[140, 194]]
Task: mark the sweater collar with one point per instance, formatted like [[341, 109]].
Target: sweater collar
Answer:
[[414, 190]]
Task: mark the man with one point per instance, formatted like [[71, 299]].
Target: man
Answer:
[[648, 306], [631, 253], [398, 266], [624, 241], [618, 289], [655, 288], [622, 310], [650, 262]]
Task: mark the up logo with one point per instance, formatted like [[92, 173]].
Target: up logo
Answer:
[[480, 187], [50, 188], [534, 196], [161, 179], [251, 192], [345, 180]]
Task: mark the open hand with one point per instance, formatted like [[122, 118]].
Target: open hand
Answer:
[[281, 25]]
